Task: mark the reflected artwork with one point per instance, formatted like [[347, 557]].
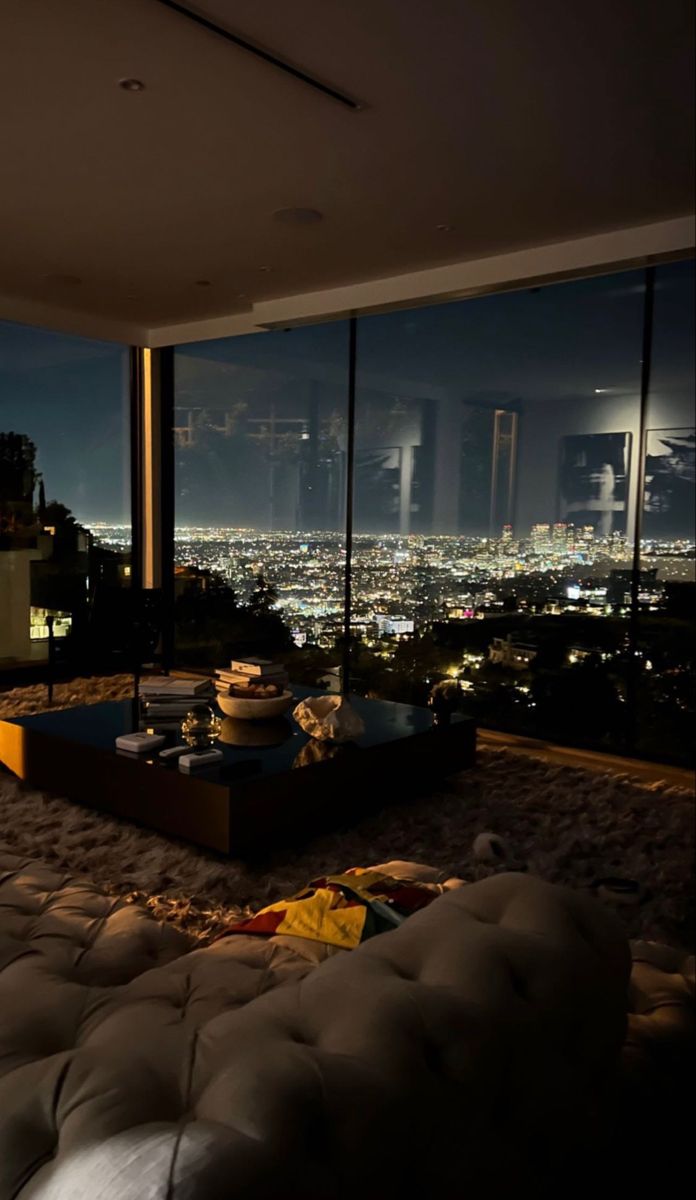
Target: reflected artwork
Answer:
[[670, 494], [593, 481]]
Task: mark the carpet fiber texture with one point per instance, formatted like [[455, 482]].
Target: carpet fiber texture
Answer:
[[567, 825]]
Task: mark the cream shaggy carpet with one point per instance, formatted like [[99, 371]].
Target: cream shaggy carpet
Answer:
[[568, 825]]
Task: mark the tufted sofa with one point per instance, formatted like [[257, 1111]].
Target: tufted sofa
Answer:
[[475, 1047]]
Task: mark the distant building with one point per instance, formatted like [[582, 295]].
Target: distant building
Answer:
[[577, 654], [541, 538], [189, 579], [394, 625], [559, 538], [505, 652], [619, 589]]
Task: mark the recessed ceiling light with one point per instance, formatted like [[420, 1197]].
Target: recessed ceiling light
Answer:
[[202, 283], [64, 280], [131, 85], [298, 216]]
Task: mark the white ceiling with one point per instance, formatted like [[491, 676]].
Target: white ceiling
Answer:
[[515, 123]]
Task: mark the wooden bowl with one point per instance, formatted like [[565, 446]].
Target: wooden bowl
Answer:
[[255, 710]]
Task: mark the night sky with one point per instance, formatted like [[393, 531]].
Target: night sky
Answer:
[[549, 346]]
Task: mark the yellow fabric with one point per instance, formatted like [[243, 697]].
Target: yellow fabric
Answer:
[[323, 917]]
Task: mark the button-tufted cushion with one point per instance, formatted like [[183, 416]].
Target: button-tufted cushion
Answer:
[[477, 1037]]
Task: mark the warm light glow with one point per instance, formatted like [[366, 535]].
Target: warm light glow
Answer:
[[148, 476]]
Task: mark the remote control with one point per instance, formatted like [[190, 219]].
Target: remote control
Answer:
[[198, 759], [172, 752], [140, 743]]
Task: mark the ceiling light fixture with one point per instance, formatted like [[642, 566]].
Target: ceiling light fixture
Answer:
[[131, 85]]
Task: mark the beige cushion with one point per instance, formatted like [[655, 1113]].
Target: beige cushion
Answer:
[[476, 1038]]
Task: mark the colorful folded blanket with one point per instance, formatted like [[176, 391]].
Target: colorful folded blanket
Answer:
[[342, 910]]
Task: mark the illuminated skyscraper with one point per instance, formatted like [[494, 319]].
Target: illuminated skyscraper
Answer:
[[560, 538], [541, 538]]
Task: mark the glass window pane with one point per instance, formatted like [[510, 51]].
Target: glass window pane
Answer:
[[260, 432], [65, 498], [667, 594], [496, 443]]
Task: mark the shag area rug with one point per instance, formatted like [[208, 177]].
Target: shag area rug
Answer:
[[568, 825], [23, 701]]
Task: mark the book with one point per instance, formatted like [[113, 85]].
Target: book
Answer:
[[256, 666], [170, 709], [167, 685]]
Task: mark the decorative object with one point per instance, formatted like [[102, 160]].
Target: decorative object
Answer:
[[489, 848], [252, 709], [593, 480], [444, 700], [329, 719], [670, 487], [314, 751], [200, 727]]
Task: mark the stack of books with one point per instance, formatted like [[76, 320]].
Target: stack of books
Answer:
[[245, 672], [166, 699]]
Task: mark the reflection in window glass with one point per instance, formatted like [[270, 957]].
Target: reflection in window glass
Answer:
[[667, 600], [497, 478], [496, 441], [65, 523], [260, 434]]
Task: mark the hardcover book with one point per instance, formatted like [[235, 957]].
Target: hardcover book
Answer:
[[256, 666]]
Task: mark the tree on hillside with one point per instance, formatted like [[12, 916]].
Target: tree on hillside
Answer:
[[264, 597]]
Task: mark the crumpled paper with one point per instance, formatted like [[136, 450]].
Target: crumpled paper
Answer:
[[329, 719]]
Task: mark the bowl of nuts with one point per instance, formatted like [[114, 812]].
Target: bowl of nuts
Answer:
[[255, 702]]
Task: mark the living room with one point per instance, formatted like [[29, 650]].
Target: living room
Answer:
[[347, 568]]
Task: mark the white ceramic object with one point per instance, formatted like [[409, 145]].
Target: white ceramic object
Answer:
[[255, 710], [329, 719], [490, 848]]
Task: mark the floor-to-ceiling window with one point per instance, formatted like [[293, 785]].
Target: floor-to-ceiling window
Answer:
[[499, 469], [664, 718], [496, 451], [65, 496], [260, 484]]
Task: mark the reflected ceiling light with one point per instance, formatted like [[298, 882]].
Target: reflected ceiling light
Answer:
[[131, 85], [298, 216], [265, 269], [444, 228]]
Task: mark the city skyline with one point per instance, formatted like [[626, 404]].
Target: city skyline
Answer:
[[419, 578]]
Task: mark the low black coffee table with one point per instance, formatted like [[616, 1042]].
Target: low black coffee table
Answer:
[[261, 793]]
